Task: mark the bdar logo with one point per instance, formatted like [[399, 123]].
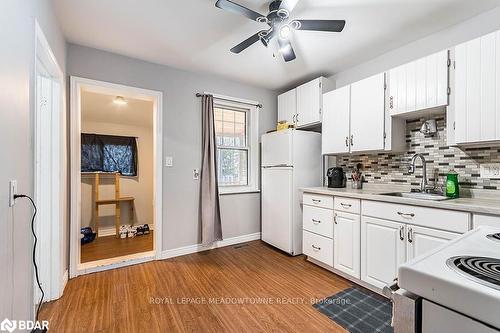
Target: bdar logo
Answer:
[[8, 325]]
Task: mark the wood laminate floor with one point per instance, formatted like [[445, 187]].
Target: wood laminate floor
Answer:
[[111, 247], [200, 293]]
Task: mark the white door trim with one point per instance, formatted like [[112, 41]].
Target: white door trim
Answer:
[[49, 252], [76, 86]]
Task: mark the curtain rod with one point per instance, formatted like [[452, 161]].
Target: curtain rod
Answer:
[[230, 100]]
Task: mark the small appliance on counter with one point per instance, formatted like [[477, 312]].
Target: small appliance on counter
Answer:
[[336, 177]]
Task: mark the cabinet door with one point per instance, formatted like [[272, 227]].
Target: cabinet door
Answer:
[[488, 220], [477, 90], [421, 240], [347, 243], [309, 102], [397, 90], [367, 114], [383, 249], [335, 126], [287, 106]]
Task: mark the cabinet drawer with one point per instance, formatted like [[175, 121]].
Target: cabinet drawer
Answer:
[[318, 247], [347, 205], [443, 219], [318, 200], [489, 220], [318, 220]]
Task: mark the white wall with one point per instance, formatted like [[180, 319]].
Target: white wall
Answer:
[[477, 26], [17, 59], [182, 137], [140, 187]]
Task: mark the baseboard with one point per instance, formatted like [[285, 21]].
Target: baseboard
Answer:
[[181, 251], [110, 231]]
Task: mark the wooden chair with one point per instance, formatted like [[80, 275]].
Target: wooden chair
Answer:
[[116, 201]]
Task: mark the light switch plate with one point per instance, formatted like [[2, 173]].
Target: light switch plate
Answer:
[[12, 192], [169, 161], [490, 170]]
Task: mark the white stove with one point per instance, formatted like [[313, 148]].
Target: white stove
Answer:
[[462, 275]]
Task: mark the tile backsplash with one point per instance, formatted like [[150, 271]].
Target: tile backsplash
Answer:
[[392, 168]]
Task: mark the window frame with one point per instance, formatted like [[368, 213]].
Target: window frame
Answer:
[[252, 146]]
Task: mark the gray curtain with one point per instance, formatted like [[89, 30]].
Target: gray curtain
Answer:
[[211, 228]]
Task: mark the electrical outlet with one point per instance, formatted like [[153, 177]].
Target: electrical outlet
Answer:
[[169, 161], [196, 174], [12, 192], [490, 170]]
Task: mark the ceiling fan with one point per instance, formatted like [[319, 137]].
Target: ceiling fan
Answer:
[[279, 23]]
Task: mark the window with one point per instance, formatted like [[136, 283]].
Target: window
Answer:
[[236, 137], [109, 153]]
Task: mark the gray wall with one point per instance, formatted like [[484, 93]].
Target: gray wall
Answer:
[[17, 56], [182, 137], [467, 30]]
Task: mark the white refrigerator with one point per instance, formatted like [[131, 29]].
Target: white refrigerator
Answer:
[[291, 159]]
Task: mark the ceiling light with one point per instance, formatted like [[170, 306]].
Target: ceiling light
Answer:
[[285, 31], [120, 100]]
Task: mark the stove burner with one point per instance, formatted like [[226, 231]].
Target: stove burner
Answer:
[[483, 270], [495, 237]]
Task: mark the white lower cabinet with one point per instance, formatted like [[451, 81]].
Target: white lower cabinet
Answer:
[[318, 247], [488, 220], [346, 243], [383, 249], [421, 240]]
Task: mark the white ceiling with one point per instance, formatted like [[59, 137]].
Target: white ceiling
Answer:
[[100, 108], [195, 35]]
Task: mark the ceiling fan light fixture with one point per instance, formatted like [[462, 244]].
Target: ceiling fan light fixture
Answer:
[[285, 31], [120, 100]]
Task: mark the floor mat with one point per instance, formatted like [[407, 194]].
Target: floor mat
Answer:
[[358, 311]]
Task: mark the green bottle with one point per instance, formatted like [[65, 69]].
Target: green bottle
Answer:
[[452, 184]]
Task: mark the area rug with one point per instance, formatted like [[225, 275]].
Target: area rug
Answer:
[[358, 311]]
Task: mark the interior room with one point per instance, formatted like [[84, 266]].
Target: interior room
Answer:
[[117, 169], [250, 166]]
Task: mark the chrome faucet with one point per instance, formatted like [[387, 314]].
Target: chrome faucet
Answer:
[[424, 183]]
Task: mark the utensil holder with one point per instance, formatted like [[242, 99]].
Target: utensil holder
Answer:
[[357, 184]]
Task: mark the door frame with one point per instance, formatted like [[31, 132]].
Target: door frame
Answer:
[[76, 86], [49, 254]]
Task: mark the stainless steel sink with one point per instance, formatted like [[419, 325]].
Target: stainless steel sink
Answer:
[[418, 195]]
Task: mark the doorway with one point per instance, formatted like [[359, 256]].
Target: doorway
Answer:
[[49, 150], [115, 175]]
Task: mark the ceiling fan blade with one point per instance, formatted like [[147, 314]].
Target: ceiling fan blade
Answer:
[[239, 9], [246, 43], [286, 50], [321, 25], [289, 5]]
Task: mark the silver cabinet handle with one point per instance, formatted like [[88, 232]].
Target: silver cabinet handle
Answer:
[[391, 102], [335, 218], [293, 118], [316, 248], [352, 139], [406, 214], [410, 235], [347, 141], [316, 221], [345, 205], [297, 118], [316, 200], [402, 233]]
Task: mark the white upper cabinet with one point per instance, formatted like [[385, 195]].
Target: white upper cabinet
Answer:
[[336, 124], [303, 105], [419, 85], [477, 90], [287, 106], [310, 102], [367, 114]]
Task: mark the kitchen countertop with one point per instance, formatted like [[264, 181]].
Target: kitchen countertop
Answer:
[[473, 205]]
